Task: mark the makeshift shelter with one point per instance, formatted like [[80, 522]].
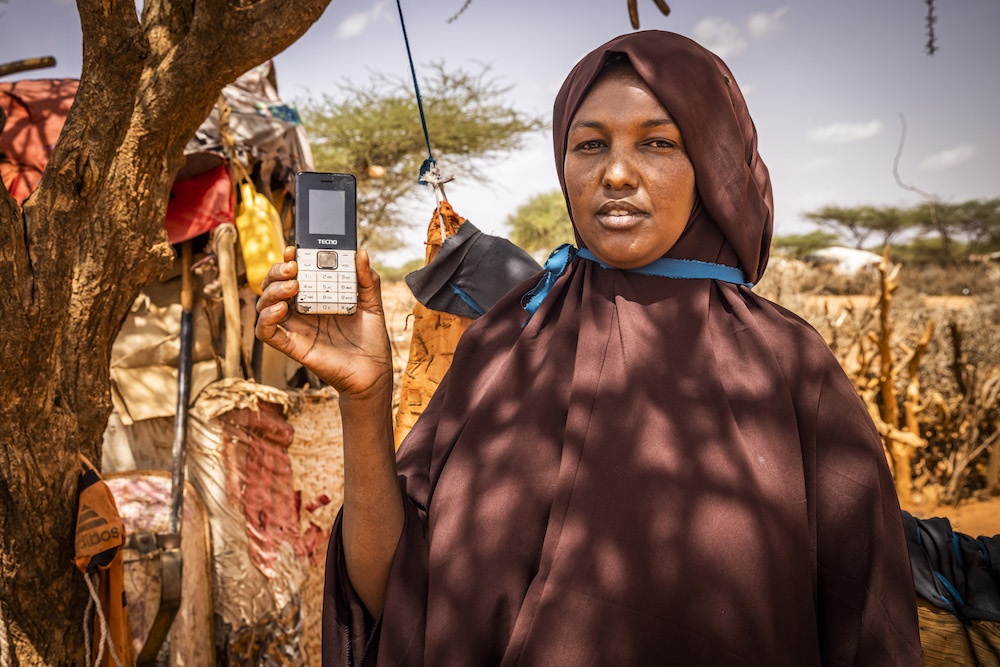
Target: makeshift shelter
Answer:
[[844, 261], [250, 478]]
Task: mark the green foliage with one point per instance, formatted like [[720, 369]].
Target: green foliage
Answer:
[[856, 224], [377, 124], [977, 222], [797, 246], [542, 223], [931, 250], [391, 273], [943, 233]]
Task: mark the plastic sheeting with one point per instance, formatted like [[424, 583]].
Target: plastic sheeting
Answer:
[[262, 125], [199, 204], [269, 468], [145, 354], [36, 112]]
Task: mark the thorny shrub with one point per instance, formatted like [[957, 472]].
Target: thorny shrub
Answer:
[[960, 413]]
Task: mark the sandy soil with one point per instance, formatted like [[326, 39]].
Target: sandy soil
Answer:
[[972, 517], [398, 304], [860, 301]]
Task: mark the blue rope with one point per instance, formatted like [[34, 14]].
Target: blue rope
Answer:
[[429, 163], [667, 267]]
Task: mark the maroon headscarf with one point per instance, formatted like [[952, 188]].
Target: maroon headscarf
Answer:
[[652, 470], [731, 222]]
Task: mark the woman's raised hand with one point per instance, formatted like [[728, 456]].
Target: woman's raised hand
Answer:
[[349, 352]]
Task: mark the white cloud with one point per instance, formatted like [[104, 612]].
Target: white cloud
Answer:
[[765, 25], [357, 23], [842, 133], [819, 163], [726, 39], [720, 36], [949, 158]]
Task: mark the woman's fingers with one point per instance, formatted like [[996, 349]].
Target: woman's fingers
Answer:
[[283, 271], [274, 303], [269, 328], [279, 285], [369, 283]]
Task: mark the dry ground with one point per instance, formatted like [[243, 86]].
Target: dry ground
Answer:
[[972, 517]]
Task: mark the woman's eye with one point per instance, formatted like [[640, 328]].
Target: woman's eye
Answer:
[[661, 143], [591, 145]]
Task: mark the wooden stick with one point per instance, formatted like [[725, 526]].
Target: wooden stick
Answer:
[[26, 65], [225, 243]]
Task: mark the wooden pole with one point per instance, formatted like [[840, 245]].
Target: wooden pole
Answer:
[[225, 250], [26, 65]]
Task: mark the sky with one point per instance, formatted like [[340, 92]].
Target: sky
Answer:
[[825, 83]]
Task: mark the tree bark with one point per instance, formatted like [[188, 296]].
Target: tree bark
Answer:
[[73, 261]]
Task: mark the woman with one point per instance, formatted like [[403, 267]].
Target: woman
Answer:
[[637, 469]]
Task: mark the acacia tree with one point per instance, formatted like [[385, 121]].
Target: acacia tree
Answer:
[[857, 224], [797, 246], [370, 130], [541, 223], [74, 259], [976, 221]]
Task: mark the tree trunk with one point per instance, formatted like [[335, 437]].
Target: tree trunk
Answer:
[[73, 261]]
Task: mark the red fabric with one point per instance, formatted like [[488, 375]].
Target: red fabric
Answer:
[[198, 204], [259, 479], [36, 112], [652, 471]]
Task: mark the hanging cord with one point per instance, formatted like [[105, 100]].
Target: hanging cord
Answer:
[[105, 633], [429, 172], [429, 163]]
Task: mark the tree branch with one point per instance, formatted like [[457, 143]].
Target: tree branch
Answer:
[[26, 65], [165, 24], [247, 33], [931, 199]]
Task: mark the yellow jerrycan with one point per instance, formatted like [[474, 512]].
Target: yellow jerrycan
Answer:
[[261, 239]]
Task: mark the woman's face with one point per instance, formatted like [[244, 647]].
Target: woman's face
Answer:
[[629, 180]]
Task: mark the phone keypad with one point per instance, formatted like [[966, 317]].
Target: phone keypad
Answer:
[[327, 291]]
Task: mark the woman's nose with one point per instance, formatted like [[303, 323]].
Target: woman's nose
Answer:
[[619, 172]]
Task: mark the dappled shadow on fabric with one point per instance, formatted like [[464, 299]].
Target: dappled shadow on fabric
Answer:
[[595, 497]]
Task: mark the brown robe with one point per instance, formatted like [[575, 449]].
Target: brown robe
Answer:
[[653, 470]]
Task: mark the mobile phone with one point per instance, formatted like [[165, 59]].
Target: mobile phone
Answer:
[[326, 241]]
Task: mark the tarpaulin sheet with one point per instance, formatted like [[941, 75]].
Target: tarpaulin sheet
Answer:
[[145, 354], [262, 125], [199, 204], [36, 112]]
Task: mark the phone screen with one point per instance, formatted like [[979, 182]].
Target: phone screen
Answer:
[[327, 212]]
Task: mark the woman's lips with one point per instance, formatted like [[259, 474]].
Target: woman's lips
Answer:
[[620, 218]]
